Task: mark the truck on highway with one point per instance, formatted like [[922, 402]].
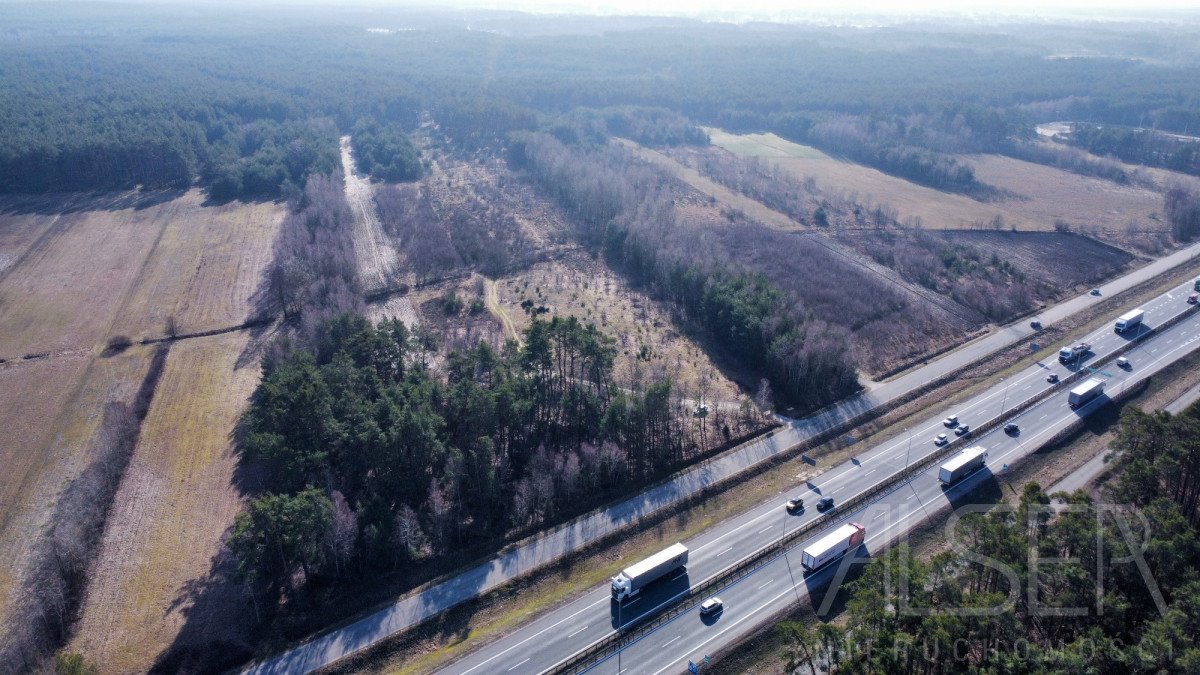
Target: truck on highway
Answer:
[[1073, 352], [832, 546], [962, 464], [1129, 320], [1196, 286], [1085, 392], [637, 576]]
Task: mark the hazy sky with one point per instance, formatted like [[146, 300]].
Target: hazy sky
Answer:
[[811, 7]]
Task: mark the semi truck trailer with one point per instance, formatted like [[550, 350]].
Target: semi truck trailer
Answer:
[[1085, 392], [637, 576], [832, 546], [1129, 320], [962, 464]]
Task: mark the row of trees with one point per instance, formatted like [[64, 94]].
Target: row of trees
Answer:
[[1182, 208], [55, 579], [1138, 146], [650, 126], [314, 272], [374, 461]]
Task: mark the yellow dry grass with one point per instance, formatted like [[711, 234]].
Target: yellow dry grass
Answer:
[[205, 268], [175, 503], [1041, 194], [1051, 194]]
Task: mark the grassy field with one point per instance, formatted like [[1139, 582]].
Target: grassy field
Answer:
[[174, 505], [1040, 195], [49, 410], [205, 269], [121, 266]]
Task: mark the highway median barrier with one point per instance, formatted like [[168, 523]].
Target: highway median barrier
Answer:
[[611, 644]]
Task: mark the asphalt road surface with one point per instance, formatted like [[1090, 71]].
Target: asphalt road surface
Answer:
[[553, 545], [559, 634]]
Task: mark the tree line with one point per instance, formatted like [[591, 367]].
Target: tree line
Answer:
[[374, 461], [775, 304], [385, 151], [1138, 146]]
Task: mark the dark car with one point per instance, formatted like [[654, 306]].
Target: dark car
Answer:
[[1011, 428], [795, 504], [1095, 291], [825, 504], [962, 430], [1036, 325], [1052, 378]]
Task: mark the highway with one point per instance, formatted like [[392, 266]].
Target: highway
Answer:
[[554, 544], [560, 633]]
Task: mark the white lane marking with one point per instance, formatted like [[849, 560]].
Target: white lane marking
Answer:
[[672, 640], [792, 586], [519, 665], [554, 625], [725, 551], [577, 632], [769, 582], [910, 496], [764, 529], [749, 522]]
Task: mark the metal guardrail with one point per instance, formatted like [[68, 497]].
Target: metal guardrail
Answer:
[[611, 644]]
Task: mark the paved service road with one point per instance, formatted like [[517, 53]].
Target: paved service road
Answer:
[[413, 609], [561, 633]]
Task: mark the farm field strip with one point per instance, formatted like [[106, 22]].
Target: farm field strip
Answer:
[[80, 278], [174, 505]]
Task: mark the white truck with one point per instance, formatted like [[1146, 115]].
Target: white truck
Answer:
[[1082, 393], [1129, 320], [637, 576], [1073, 352], [962, 464], [832, 546]]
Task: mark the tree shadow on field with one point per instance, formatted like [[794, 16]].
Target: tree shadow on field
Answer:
[[55, 203], [220, 618]]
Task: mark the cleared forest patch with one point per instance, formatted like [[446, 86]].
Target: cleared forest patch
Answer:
[[1061, 260], [647, 342], [173, 507]]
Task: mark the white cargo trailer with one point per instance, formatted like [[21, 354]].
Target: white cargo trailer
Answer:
[[832, 546], [1085, 392], [1130, 320], [637, 576], [962, 464]]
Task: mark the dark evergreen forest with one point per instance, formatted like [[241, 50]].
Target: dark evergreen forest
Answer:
[[249, 103]]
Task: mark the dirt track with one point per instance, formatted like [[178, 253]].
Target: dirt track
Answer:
[[377, 260]]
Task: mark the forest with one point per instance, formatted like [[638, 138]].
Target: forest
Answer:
[[249, 108], [374, 461], [1098, 588]]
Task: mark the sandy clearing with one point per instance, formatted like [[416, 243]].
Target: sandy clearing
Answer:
[[174, 505], [377, 259]]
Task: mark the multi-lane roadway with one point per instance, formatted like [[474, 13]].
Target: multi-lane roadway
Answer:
[[545, 549], [561, 633]]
